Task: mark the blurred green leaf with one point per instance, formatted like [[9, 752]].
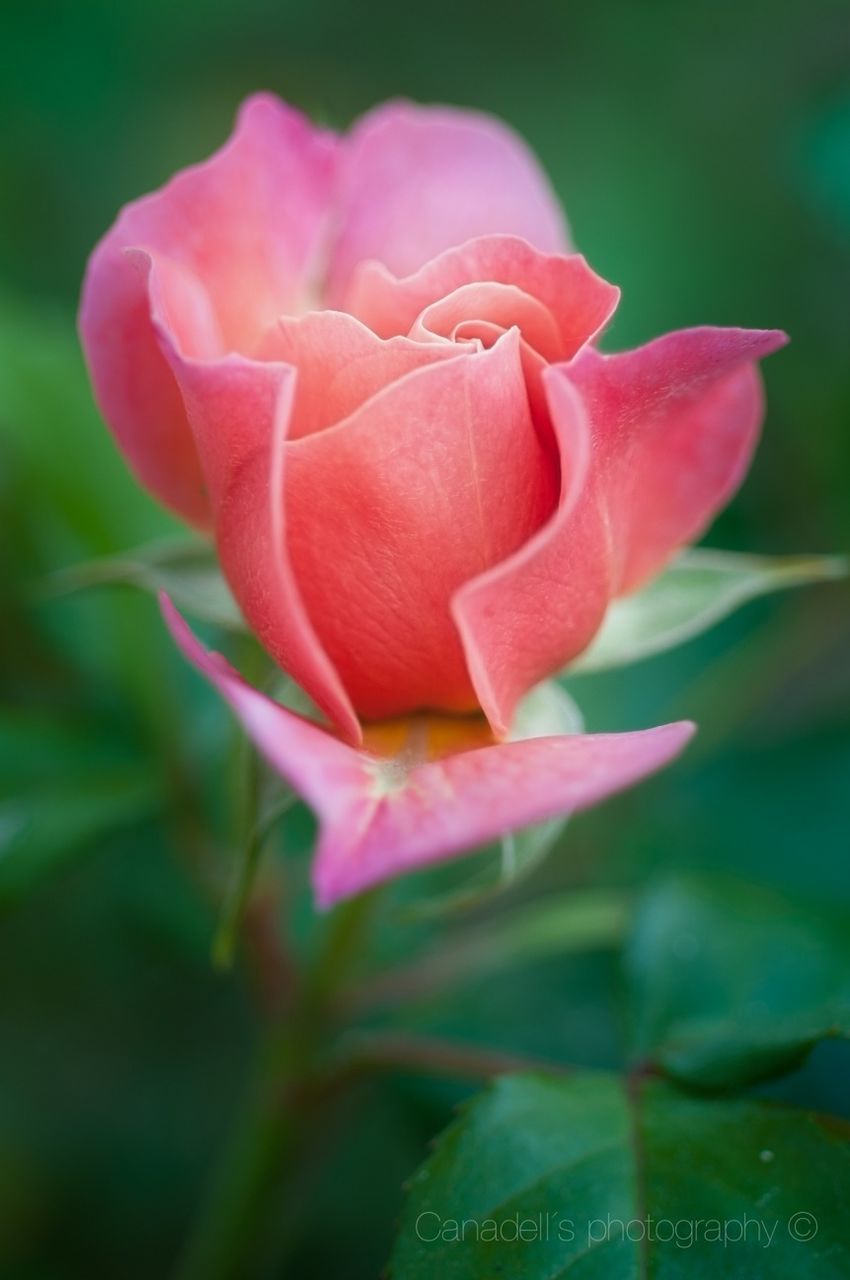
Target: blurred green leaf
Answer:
[[41, 830], [698, 590], [81, 497], [732, 983], [547, 710], [575, 921], [823, 162], [63, 785], [578, 921], [185, 567], [586, 1175]]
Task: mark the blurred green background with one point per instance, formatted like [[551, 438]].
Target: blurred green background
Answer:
[[702, 151]]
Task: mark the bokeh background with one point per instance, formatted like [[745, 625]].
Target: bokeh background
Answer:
[[703, 154]]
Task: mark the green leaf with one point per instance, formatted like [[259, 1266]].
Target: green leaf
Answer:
[[698, 590], [732, 983], [63, 785], [588, 1176], [547, 710], [43, 829], [579, 921], [185, 567]]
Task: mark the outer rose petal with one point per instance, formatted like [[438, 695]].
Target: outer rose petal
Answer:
[[675, 424], [517, 619], [379, 819], [668, 431], [417, 180], [243, 229], [461, 285], [133, 385], [437, 477], [239, 410]]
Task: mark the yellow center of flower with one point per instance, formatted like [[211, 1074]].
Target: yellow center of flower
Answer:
[[412, 740]]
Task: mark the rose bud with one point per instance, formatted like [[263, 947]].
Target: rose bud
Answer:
[[366, 363]]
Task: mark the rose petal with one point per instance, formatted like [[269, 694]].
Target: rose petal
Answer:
[[340, 364], [432, 480], [417, 180], [241, 232], [492, 278], [133, 385], [464, 801], [318, 765], [473, 308], [239, 411], [242, 412], [675, 424], [672, 426], [516, 620], [380, 817]]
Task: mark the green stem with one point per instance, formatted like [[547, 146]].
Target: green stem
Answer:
[[280, 1108], [365, 1052], [266, 1137], [340, 949], [238, 898]]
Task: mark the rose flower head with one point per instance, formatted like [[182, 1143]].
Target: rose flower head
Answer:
[[367, 365]]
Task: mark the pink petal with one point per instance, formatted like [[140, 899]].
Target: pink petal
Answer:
[[133, 385], [675, 424], [431, 481], [517, 619], [670, 429], [241, 233], [321, 767], [340, 364], [417, 180], [464, 801], [558, 302], [473, 309], [239, 410], [380, 817]]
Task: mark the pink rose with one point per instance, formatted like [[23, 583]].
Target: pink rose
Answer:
[[366, 364]]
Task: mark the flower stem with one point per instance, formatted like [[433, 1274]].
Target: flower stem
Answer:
[[264, 1137], [284, 1093], [432, 1056]]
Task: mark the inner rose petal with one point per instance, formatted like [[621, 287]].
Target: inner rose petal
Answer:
[[340, 364], [426, 485], [478, 311]]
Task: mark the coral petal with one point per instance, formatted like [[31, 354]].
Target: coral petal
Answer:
[[470, 283], [379, 820], [675, 423], [435, 478], [666, 433]]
